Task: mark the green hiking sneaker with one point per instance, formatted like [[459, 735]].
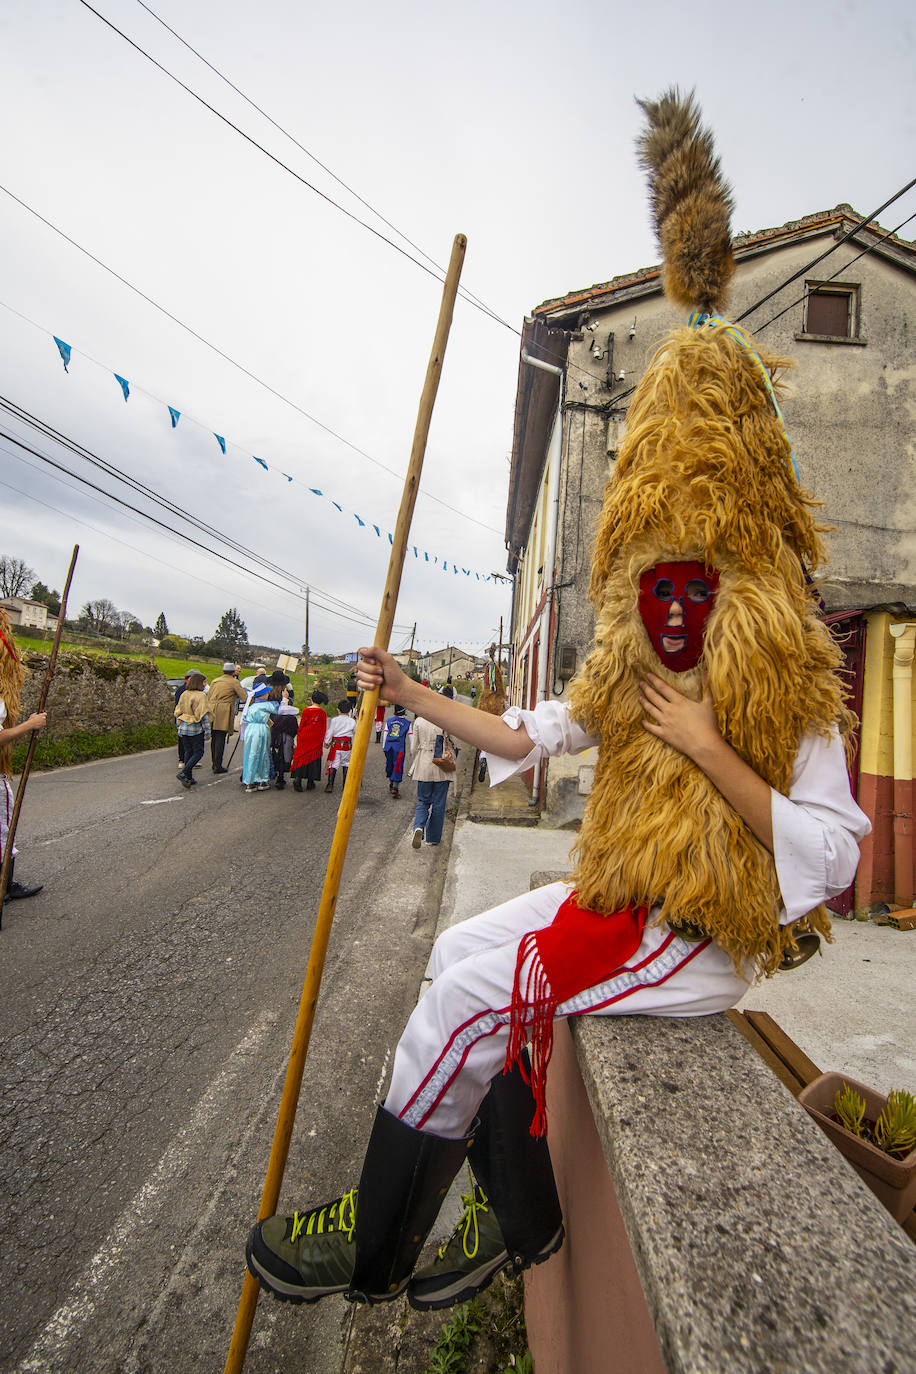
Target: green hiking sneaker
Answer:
[[306, 1256], [467, 1262]]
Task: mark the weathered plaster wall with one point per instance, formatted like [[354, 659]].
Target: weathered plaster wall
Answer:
[[97, 694]]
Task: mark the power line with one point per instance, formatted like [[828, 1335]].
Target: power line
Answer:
[[845, 268], [839, 243], [239, 366], [281, 164], [360, 618], [463, 291]]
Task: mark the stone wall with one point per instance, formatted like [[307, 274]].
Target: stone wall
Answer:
[[96, 694]]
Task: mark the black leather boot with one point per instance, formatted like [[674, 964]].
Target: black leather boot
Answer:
[[329, 785], [512, 1215]]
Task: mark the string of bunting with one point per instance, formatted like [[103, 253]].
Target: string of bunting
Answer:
[[421, 555]]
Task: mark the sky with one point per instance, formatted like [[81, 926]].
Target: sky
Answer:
[[303, 338]]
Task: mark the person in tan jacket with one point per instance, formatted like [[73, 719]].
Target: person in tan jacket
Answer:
[[225, 691]]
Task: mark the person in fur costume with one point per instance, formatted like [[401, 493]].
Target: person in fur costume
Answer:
[[719, 822], [12, 676]]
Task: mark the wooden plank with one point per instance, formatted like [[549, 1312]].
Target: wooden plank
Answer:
[[794, 1058], [767, 1054]]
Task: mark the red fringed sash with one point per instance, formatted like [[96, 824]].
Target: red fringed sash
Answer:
[[579, 949], [310, 739]]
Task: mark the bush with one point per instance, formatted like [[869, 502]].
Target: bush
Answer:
[[83, 746]]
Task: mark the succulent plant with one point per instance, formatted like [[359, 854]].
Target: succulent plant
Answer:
[[895, 1129]]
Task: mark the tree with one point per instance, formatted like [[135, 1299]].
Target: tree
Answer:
[[15, 576], [48, 598], [231, 632], [101, 616], [160, 628]]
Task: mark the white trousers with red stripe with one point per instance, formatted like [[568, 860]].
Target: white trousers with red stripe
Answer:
[[455, 1041]]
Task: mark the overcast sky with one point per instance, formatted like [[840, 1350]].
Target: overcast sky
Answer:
[[512, 123]]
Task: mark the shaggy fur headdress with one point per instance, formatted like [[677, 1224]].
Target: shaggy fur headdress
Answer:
[[705, 473], [12, 676]]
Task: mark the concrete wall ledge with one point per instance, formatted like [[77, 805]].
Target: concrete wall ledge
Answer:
[[756, 1246]]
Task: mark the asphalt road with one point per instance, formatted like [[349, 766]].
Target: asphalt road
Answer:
[[147, 998]]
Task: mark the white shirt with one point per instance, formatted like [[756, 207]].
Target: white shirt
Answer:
[[816, 828]]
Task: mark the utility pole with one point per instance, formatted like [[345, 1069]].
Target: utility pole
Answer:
[[499, 656], [306, 645]]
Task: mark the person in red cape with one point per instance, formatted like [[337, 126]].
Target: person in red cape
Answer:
[[310, 743]]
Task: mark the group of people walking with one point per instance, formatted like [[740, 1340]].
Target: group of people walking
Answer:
[[277, 740]]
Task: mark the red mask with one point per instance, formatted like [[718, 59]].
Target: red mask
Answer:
[[675, 600]]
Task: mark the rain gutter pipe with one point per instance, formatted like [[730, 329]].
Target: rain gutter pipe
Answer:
[[553, 519], [905, 644]]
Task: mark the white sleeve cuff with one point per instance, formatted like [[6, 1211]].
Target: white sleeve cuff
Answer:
[[552, 732]]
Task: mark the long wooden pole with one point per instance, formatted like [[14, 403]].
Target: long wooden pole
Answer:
[[307, 1003], [27, 767]]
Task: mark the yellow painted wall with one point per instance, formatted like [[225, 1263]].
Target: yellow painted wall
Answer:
[[877, 735]]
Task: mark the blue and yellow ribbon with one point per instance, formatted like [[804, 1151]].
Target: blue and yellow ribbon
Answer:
[[698, 319]]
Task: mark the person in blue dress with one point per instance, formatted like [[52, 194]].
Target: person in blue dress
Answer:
[[256, 756]]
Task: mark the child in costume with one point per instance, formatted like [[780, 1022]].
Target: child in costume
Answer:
[[720, 818], [12, 676], [396, 732], [310, 743], [339, 739]]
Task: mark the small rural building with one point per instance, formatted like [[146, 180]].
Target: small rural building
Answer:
[[837, 296], [28, 614]]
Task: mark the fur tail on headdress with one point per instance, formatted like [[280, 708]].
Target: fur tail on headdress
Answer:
[[692, 204]]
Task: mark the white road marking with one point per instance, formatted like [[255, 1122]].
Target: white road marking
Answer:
[[161, 801], [382, 1076], [48, 1351]]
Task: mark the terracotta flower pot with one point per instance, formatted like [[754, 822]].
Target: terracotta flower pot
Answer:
[[892, 1180]]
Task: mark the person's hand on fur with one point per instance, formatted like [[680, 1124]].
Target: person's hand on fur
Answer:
[[688, 726], [691, 727]]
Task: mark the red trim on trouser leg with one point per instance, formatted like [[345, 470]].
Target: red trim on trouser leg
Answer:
[[488, 1022]]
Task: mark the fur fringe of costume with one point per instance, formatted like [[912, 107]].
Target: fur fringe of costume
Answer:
[[691, 202], [703, 473], [12, 676], [493, 697]]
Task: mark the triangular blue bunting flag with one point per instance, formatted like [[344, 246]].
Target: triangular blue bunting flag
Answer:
[[221, 441], [64, 351], [454, 570], [123, 384], [391, 541], [415, 554], [175, 414], [263, 464], [377, 530], [466, 572], [286, 475], [426, 556], [316, 491], [359, 522], [340, 508]]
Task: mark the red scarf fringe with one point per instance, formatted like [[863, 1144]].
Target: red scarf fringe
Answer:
[[579, 949]]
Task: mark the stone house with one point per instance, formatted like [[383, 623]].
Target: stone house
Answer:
[[439, 665], [848, 321], [29, 614]]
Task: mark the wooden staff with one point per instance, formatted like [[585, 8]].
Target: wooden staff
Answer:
[[307, 1003], [20, 790]]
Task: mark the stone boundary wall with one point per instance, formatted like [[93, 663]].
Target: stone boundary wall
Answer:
[[94, 694]]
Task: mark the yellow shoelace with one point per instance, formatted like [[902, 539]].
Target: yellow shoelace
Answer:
[[471, 1205], [339, 1216]]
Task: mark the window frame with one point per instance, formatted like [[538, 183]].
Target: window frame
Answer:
[[853, 293]]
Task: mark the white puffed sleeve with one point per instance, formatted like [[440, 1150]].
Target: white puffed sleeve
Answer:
[[816, 828], [552, 732]]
